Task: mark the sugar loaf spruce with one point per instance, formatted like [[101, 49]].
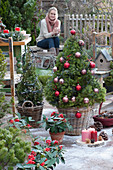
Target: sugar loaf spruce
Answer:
[[73, 83]]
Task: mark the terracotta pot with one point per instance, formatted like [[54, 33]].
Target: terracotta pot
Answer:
[[57, 136]]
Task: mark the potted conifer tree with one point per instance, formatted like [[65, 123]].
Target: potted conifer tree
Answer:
[[29, 92], [73, 88]]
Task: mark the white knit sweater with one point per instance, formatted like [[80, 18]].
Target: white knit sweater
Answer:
[[44, 31]]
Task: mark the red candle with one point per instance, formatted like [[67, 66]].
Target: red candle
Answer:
[[17, 29], [5, 31], [94, 135]]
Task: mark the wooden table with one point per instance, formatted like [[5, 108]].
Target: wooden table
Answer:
[[18, 46]]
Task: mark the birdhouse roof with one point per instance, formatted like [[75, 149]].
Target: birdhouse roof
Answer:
[[105, 54]]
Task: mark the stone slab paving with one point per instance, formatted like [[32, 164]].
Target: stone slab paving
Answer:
[[82, 157]]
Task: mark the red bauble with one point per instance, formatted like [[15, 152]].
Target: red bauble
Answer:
[[77, 55], [55, 69], [65, 99], [66, 65], [56, 80], [78, 87], [73, 99], [61, 81], [96, 90], [78, 115], [57, 93], [81, 42], [92, 64], [83, 71], [73, 32], [86, 100], [61, 59]]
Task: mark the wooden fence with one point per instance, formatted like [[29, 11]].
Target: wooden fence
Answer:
[[86, 25]]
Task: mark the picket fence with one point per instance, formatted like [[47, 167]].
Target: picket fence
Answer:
[[86, 25]]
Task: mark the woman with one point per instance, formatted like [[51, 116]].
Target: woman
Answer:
[[49, 31]]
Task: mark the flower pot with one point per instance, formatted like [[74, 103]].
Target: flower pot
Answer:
[[105, 121], [34, 111], [78, 124], [57, 136]]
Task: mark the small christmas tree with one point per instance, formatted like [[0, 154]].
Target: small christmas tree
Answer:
[[29, 89], [72, 83]]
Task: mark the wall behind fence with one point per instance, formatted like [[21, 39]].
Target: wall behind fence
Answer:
[[85, 25]]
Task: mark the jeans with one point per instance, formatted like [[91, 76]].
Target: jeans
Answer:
[[48, 43]]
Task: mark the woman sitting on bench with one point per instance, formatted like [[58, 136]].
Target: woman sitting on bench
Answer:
[[49, 32]]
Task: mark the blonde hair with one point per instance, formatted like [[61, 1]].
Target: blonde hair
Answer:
[[53, 8]]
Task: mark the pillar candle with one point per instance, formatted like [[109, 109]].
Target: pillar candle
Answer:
[[85, 135], [94, 135], [90, 130]]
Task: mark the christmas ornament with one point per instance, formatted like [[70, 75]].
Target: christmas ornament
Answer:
[[73, 99], [56, 80], [66, 65], [96, 90], [73, 32], [78, 87], [61, 81], [92, 64], [77, 54], [86, 100], [57, 93], [83, 71], [78, 115], [81, 42], [92, 72], [55, 69], [65, 99], [61, 59]]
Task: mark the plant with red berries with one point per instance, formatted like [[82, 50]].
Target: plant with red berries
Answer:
[[45, 154], [56, 122]]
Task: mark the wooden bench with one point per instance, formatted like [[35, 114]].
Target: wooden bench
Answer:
[[44, 59]]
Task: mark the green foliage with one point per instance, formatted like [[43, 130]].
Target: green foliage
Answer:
[[44, 155], [4, 105], [109, 80], [24, 13], [11, 150], [43, 75], [29, 88], [73, 76], [56, 123]]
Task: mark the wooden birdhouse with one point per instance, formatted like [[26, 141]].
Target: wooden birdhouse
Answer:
[[2, 26], [103, 60]]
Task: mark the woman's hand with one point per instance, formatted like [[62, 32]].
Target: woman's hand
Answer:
[[56, 31]]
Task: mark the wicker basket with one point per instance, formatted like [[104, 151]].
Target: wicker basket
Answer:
[[34, 112], [78, 124]]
